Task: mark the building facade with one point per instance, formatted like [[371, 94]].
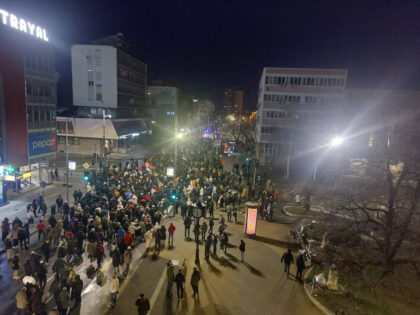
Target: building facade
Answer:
[[162, 107], [296, 110], [108, 74], [233, 101], [28, 102]]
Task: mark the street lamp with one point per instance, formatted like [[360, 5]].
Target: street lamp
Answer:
[[197, 214], [335, 142], [103, 132]]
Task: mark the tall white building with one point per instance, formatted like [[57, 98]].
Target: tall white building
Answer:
[[296, 108], [108, 74], [94, 71]]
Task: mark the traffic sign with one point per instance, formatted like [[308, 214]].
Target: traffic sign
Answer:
[[72, 165], [86, 165]]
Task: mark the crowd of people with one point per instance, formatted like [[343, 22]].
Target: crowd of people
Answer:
[[123, 207]]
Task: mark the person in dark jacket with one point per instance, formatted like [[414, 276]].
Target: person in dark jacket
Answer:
[[288, 260], [42, 275], [300, 265], [242, 249], [143, 305], [27, 267], [52, 221], [179, 280], [59, 201], [76, 290], [116, 259], [46, 249], [22, 238], [195, 279]]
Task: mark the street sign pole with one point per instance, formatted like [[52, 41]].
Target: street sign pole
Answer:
[[67, 162]]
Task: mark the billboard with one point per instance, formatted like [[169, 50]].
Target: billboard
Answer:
[[40, 144], [251, 221]]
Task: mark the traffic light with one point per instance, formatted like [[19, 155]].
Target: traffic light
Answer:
[[173, 197], [247, 159], [86, 176]]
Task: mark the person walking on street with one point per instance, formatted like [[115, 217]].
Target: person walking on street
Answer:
[[128, 257], [203, 230], [5, 229], [288, 260], [22, 238], [184, 268], [41, 228], [300, 265], [76, 290], [171, 231], [187, 225], [195, 279], [207, 246], [214, 245], [42, 274], [242, 249], [235, 215], [211, 224], [143, 304], [224, 241], [46, 249], [99, 251], [170, 277], [179, 280], [59, 202], [22, 302], [115, 285], [15, 267]]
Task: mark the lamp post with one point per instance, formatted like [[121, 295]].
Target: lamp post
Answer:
[[334, 143], [103, 135], [197, 214], [67, 161]]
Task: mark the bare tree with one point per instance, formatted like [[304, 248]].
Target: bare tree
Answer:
[[382, 208]]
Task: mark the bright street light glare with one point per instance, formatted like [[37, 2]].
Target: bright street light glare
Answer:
[[179, 135], [336, 141]]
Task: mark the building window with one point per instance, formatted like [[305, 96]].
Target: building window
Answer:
[[99, 96], [75, 140]]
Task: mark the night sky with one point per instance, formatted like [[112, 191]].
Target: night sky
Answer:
[[206, 46]]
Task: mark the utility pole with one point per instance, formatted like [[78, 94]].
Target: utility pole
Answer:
[[255, 174], [103, 136], [176, 139], [67, 161]]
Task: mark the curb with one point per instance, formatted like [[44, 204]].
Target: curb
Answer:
[[314, 301]]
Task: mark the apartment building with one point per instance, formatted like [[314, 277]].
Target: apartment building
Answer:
[[296, 109]]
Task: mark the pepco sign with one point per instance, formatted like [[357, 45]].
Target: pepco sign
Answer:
[[40, 144]]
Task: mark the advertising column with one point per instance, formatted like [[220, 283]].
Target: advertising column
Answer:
[[251, 219]]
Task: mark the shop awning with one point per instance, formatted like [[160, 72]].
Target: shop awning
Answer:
[[129, 127]]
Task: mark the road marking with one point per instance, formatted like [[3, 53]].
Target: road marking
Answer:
[[157, 290]]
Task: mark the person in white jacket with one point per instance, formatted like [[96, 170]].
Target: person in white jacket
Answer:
[[115, 285]]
